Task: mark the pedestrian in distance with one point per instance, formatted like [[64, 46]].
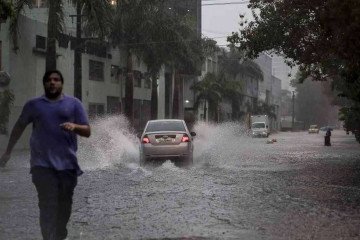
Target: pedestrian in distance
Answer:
[[57, 119], [327, 137]]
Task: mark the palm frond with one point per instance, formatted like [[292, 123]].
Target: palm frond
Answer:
[[97, 17], [14, 20]]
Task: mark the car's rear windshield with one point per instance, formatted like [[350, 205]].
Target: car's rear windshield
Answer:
[[258, 125], [313, 126], [165, 126]]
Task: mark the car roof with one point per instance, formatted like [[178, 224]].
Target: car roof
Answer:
[[166, 120]]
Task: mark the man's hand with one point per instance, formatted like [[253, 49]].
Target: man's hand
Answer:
[[82, 130], [4, 159], [68, 126]]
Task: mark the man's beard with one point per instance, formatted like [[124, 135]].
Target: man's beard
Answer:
[[54, 95]]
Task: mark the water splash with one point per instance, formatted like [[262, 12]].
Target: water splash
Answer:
[[112, 143], [216, 142]]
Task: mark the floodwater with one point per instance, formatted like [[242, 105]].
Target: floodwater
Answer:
[[238, 188]]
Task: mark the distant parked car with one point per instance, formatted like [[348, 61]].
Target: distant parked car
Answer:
[[167, 139], [313, 129]]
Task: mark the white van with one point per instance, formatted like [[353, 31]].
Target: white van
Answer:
[[260, 126]]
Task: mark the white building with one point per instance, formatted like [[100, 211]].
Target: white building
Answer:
[[270, 88], [102, 71]]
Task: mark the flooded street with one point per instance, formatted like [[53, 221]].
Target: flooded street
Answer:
[[238, 188]]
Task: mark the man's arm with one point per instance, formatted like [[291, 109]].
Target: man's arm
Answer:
[[16, 133], [82, 130]]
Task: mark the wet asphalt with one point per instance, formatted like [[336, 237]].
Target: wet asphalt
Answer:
[[238, 188]]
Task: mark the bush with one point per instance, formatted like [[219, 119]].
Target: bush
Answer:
[[6, 100]]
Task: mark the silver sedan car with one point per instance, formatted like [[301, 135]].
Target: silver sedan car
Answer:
[[167, 139]]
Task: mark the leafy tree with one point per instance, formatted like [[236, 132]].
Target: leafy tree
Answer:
[[351, 117], [320, 36]]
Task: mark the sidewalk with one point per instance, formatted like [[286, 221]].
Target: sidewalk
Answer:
[[18, 208]]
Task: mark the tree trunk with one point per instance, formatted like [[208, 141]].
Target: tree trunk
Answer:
[[205, 110], [154, 97], [129, 90], [176, 96], [77, 55], [235, 110], [216, 113], [51, 38]]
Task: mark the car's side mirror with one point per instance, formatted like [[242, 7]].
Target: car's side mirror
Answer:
[[267, 126], [193, 134]]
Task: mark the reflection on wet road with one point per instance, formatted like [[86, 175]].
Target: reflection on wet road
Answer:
[[239, 187]]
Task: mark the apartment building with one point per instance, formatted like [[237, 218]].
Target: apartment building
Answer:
[[270, 87], [103, 69]]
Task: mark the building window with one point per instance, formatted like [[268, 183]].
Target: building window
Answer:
[[96, 109], [96, 70], [39, 3], [40, 42], [137, 79], [147, 80], [115, 74]]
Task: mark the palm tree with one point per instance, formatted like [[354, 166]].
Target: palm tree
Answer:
[[160, 30], [187, 58], [147, 29], [97, 19], [232, 92], [209, 90], [128, 31]]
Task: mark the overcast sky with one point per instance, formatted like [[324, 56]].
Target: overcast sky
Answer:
[[218, 21]]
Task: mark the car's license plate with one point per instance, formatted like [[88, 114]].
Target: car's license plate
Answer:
[[165, 140]]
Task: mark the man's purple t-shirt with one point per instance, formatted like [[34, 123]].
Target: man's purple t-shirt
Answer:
[[51, 146]]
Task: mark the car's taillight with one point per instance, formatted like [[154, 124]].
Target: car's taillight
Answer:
[[145, 139], [185, 138]]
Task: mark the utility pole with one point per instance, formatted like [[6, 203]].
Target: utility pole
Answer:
[[77, 53], [293, 110]]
